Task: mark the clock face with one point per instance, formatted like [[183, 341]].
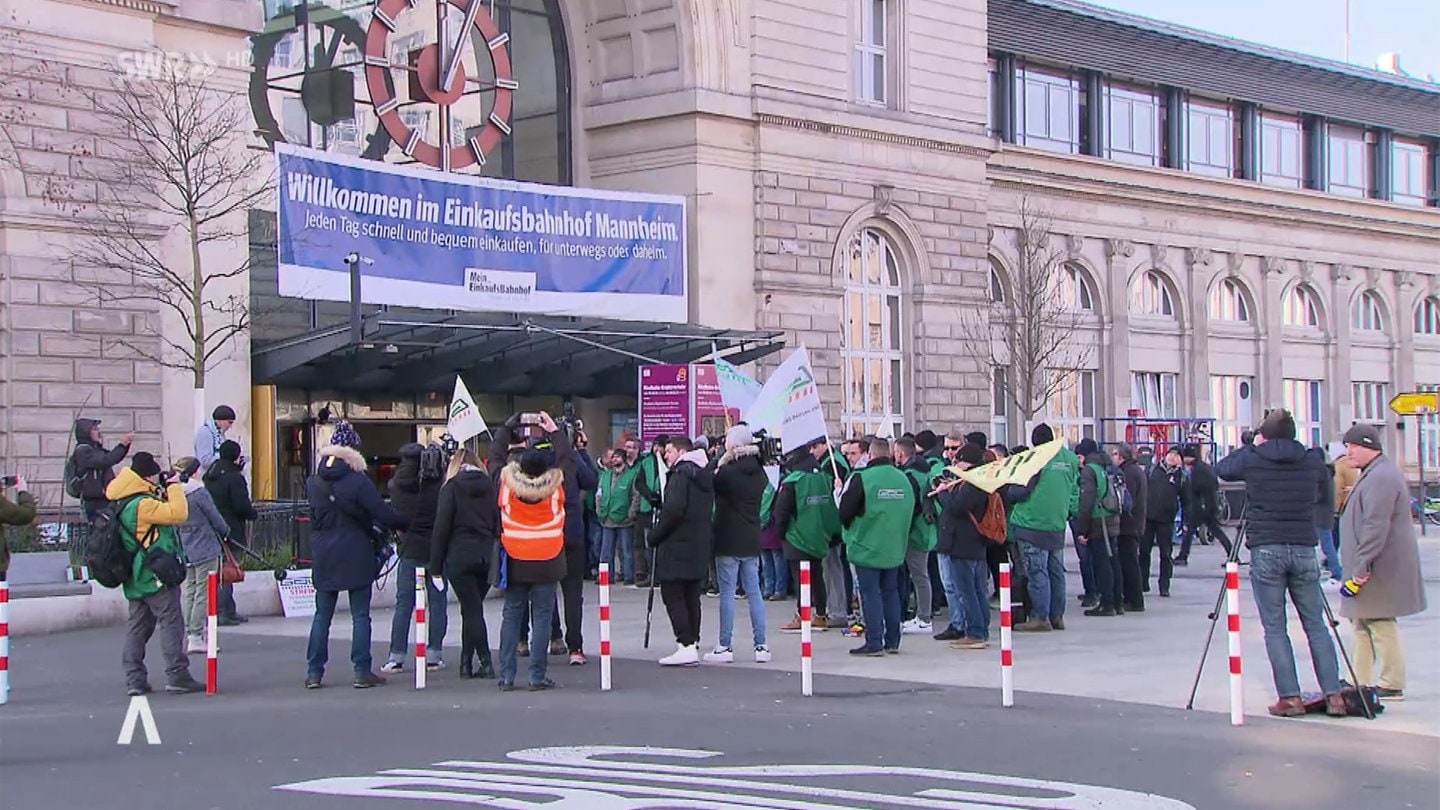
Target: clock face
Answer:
[[439, 78]]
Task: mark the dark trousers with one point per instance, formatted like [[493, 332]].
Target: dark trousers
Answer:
[[1127, 556], [159, 610], [1102, 566], [682, 602], [471, 583], [572, 590], [995, 554], [1208, 521], [1161, 534], [638, 547], [880, 604], [817, 587]]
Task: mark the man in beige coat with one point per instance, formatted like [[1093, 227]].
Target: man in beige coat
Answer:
[[1382, 560]]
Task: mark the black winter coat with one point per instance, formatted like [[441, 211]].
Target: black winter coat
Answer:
[[1166, 489], [1283, 483], [344, 508], [681, 535], [1133, 524], [93, 463], [739, 486], [1204, 492], [1083, 522], [227, 487], [1325, 507], [959, 536], [467, 522], [417, 501]]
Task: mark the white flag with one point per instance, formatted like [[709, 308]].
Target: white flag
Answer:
[[736, 390], [465, 420], [788, 405]]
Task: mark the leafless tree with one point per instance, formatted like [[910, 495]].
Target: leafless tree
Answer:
[[1031, 335]]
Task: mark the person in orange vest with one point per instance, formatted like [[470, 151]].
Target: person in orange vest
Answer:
[[532, 539]]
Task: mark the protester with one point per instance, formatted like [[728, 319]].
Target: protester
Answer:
[[681, 539], [1382, 555], [1203, 510], [532, 534], [1132, 528], [839, 581], [1037, 523], [415, 493], [212, 434], [20, 512], [150, 509], [226, 482], [649, 485], [1283, 481], [201, 534], [809, 521], [90, 468], [1166, 490], [740, 485], [1325, 513], [344, 509], [617, 504], [1097, 528], [466, 525], [923, 532], [877, 508], [962, 549]]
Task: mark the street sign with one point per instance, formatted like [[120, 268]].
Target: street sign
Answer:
[[1416, 403]]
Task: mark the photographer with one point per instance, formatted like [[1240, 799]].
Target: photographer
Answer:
[[649, 484], [20, 512]]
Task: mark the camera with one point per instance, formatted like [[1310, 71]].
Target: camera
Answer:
[[770, 449], [9, 480]]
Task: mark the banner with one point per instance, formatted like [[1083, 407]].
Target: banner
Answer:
[[1016, 469], [737, 390], [664, 401], [297, 594], [465, 420], [453, 241], [788, 405]]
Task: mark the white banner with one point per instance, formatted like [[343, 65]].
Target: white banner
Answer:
[[737, 390], [297, 594], [788, 405], [465, 420]]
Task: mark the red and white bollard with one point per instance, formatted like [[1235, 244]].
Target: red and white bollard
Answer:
[[604, 580], [421, 631], [212, 633], [1232, 610], [4, 641], [807, 672], [1007, 654]]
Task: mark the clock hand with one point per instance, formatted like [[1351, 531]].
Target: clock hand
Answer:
[[465, 27]]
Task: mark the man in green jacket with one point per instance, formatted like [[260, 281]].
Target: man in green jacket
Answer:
[[616, 505], [21, 512], [877, 506], [924, 531], [806, 517], [1037, 523], [649, 485]]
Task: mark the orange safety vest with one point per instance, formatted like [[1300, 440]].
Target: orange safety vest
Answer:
[[532, 531]]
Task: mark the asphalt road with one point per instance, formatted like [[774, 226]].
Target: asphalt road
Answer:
[[732, 738]]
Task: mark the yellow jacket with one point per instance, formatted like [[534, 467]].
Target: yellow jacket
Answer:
[[150, 511]]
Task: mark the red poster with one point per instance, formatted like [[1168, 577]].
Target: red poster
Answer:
[[710, 412], [664, 401]]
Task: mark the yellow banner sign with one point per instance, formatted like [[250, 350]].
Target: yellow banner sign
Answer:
[[1016, 469]]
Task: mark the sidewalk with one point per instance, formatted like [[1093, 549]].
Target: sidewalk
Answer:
[[1147, 658]]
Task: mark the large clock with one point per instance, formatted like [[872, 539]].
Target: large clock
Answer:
[[438, 78]]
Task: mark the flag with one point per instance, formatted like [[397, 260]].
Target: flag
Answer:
[[1016, 469], [736, 390], [465, 420], [788, 405]]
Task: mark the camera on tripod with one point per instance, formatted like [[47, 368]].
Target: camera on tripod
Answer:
[[770, 449], [571, 424]]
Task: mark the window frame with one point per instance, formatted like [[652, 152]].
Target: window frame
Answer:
[[893, 326], [867, 50], [1371, 401], [1082, 394], [1228, 303], [1209, 111], [1150, 296], [999, 406], [1367, 314], [1291, 302], [1232, 416], [1073, 277], [1160, 388], [1028, 79], [1427, 317], [1132, 98], [1305, 401], [1292, 130], [1346, 147], [1408, 160]]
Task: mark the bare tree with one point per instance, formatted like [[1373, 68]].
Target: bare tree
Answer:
[[1031, 334], [188, 179]]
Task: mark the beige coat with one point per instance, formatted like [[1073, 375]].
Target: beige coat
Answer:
[[1378, 539], [1345, 477]]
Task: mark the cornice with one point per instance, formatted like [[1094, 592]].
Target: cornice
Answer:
[[153, 7], [867, 134]]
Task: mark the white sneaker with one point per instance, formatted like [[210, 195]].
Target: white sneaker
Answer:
[[195, 644], [392, 667], [762, 654], [915, 627], [720, 655], [435, 665], [682, 657]]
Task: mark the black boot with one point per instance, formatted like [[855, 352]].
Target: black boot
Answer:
[[467, 662], [486, 670]]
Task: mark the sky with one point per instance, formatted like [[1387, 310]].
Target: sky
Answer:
[[1410, 28]]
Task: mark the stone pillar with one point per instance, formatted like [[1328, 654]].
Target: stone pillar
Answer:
[[1115, 354], [1402, 362], [1340, 404], [1195, 333], [1271, 379]]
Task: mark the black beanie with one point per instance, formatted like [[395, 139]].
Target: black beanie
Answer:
[[144, 465], [224, 413], [535, 463], [972, 453], [230, 450]]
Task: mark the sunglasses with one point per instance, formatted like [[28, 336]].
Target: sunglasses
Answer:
[[951, 448]]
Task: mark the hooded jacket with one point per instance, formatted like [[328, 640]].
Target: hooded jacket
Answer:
[[533, 490], [93, 463], [466, 523], [344, 508], [1204, 492], [1133, 524], [146, 512], [1087, 520], [1282, 485], [204, 526], [232, 496], [1166, 489], [682, 532], [417, 500], [740, 484]]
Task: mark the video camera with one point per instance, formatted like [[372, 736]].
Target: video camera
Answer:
[[770, 450], [571, 424]]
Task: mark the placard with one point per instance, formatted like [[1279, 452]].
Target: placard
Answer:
[[297, 594]]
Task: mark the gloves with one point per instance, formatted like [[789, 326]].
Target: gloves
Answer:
[[438, 583], [1349, 589]]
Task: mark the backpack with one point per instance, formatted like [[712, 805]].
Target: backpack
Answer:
[[992, 526], [106, 557], [1119, 494], [75, 480]]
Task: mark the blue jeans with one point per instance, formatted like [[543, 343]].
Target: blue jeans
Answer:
[[541, 601], [617, 539], [593, 543], [1276, 570], [1328, 547], [437, 617], [880, 603], [974, 587], [748, 570], [1046, 573], [950, 578], [318, 651], [774, 572]]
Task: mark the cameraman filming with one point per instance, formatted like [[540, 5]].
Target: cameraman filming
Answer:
[[20, 512]]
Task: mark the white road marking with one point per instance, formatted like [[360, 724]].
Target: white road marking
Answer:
[[139, 709]]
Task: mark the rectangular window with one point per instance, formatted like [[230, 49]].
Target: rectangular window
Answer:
[[1231, 401], [1280, 149], [1430, 436], [1155, 393], [1408, 174], [999, 408], [1071, 410], [1371, 403], [1132, 126], [1050, 110], [1210, 139], [1302, 400], [872, 78], [1349, 162]]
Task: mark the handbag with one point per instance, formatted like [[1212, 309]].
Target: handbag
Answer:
[[230, 570]]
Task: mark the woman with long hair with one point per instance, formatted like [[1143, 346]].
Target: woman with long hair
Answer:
[[467, 526]]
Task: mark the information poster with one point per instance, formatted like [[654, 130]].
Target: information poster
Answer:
[[664, 401]]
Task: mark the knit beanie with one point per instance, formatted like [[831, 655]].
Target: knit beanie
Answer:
[[738, 436], [345, 436], [144, 465], [229, 450]]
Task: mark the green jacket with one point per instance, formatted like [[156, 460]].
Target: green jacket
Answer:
[[19, 513], [616, 501], [816, 518], [924, 529], [1056, 495], [878, 533], [142, 581], [767, 502], [647, 479]]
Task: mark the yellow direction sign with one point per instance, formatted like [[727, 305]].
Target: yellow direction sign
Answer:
[[1416, 403]]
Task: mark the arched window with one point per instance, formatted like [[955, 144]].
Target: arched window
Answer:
[[872, 352], [1302, 308], [1228, 302], [1073, 289], [1368, 314], [1427, 316], [1150, 295], [997, 283]]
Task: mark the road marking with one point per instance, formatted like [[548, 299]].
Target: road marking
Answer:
[[139, 710], [591, 778]]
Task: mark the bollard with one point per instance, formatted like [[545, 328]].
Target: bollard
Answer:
[[420, 629], [1007, 655], [1232, 609], [212, 633], [4, 641], [807, 672], [604, 580]]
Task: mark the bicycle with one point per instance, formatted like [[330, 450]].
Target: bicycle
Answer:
[[1432, 509]]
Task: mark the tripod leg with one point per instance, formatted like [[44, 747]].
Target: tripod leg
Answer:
[[1345, 656], [1205, 653]]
